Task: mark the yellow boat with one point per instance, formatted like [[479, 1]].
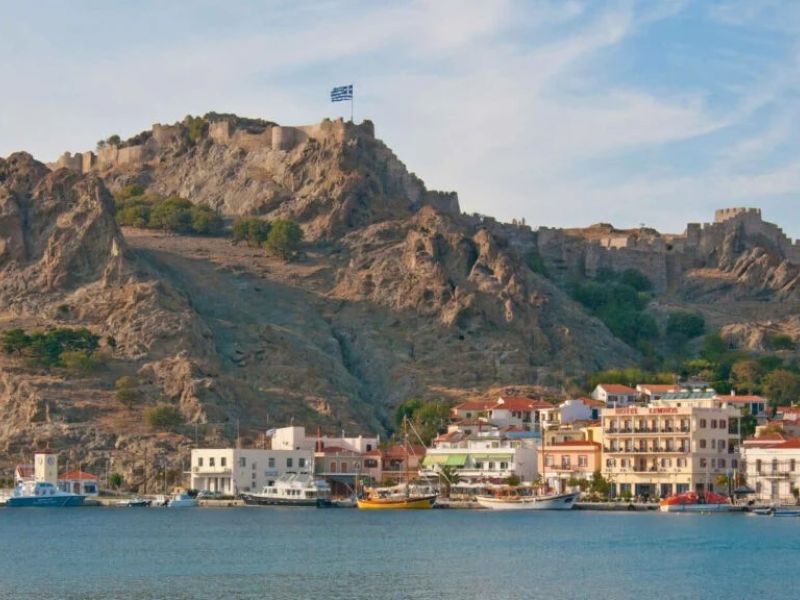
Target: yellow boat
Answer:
[[397, 503]]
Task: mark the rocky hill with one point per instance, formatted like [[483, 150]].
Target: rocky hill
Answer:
[[397, 293]]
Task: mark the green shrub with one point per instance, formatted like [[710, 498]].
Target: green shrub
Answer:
[[196, 127], [689, 324], [283, 239], [635, 279], [81, 361], [782, 342], [126, 391], [251, 230], [535, 263], [205, 220], [164, 417], [172, 214]]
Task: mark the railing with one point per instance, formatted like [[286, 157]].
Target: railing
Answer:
[[211, 470]]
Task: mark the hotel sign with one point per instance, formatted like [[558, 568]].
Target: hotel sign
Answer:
[[632, 410]]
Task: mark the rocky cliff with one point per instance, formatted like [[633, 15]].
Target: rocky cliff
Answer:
[[397, 293]]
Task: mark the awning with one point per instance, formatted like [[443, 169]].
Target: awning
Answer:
[[456, 460], [445, 460], [434, 459]]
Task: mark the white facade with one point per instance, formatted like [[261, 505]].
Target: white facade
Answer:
[[574, 410], [230, 471], [295, 438], [772, 471], [484, 457], [614, 394]]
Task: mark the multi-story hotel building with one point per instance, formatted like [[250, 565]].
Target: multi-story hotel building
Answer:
[[772, 469], [669, 446]]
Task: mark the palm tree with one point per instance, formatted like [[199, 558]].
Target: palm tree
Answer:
[[448, 476]]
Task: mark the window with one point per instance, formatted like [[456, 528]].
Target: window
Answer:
[[758, 465], [702, 443], [223, 462], [253, 476], [609, 463], [721, 444], [565, 462], [548, 460], [491, 466], [289, 463], [211, 461], [583, 460], [301, 462], [333, 467], [713, 443], [721, 463], [344, 467], [369, 447], [479, 465], [242, 461], [253, 464], [792, 465], [722, 424], [503, 466], [271, 462], [702, 423], [774, 465], [703, 463], [713, 463], [371, 463], [713, 423], [199, 461]]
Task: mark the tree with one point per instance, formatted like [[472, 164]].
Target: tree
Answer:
[[513, 480], [599, 485], [448, 477], [15, 340], [126, 391], [689, 324], [172, 214], [113, 140], [115, 480], [782, 387], [163, 417], [205, 220], [80, 361], [713, 347], [635, 279], [746, 374], [284, 238]]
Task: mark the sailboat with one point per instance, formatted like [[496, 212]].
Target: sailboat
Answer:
[[399, 497]]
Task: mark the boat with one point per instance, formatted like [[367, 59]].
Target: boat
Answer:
[[694, 502], [182, 500], [136, 501], [42, 493], [393, 499], [399, 497], [292, 489], [517, 499], [777, 511]]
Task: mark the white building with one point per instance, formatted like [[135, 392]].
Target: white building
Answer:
[[614, 394], [295, 438], [772, 469], [234, 470], [484, 456]]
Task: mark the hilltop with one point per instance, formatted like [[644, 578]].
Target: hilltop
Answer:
[[396, 294]]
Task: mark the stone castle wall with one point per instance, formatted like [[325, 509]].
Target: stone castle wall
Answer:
[[279, 138], [663, 258]]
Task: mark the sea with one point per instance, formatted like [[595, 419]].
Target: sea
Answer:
[[283, 553]]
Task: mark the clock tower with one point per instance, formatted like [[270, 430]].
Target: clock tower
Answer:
[[45, 466]]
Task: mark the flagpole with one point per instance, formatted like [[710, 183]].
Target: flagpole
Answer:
[[351, 106]]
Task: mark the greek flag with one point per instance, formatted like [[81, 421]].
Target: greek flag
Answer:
[[341, 93]]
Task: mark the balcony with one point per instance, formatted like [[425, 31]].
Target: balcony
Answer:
[[212, 470]]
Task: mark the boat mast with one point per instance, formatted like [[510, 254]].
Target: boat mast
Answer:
[[405, 453]]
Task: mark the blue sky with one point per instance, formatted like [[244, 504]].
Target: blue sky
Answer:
[[565, 113]]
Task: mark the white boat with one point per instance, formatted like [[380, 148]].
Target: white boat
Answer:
[[182, 500], [42, 493], [777, 511], [294, 489], [517, 501]]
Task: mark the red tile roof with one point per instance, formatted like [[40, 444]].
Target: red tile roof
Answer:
[[740, 398], [791, 444], [617, 388], [77, 475], [520, 403], [593, 402], [475, 405]]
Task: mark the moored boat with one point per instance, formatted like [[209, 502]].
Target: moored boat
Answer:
[[777, 511], [295, 489], [136, 501], [182, 500], [377, 501], [512, 499], [42, 494], [693, 502]]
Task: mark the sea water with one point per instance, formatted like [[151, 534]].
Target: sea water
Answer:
[[271, 552]]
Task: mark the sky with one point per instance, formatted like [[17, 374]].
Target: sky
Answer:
[[564, 113]]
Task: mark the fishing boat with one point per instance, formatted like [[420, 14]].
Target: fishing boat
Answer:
[[293, 489], [136, 501], [777, 511], [42, 493], [182, 500], [400, 497], [693, 502], [518, 499]]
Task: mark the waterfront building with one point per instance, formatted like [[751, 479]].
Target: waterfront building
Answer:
[[569, 460], [648, 392], [772, 468], [614, 394], [79, 482], [669, 446], [754, 405], [506, 411], [295, 438], [233, 470], [491, 455]]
